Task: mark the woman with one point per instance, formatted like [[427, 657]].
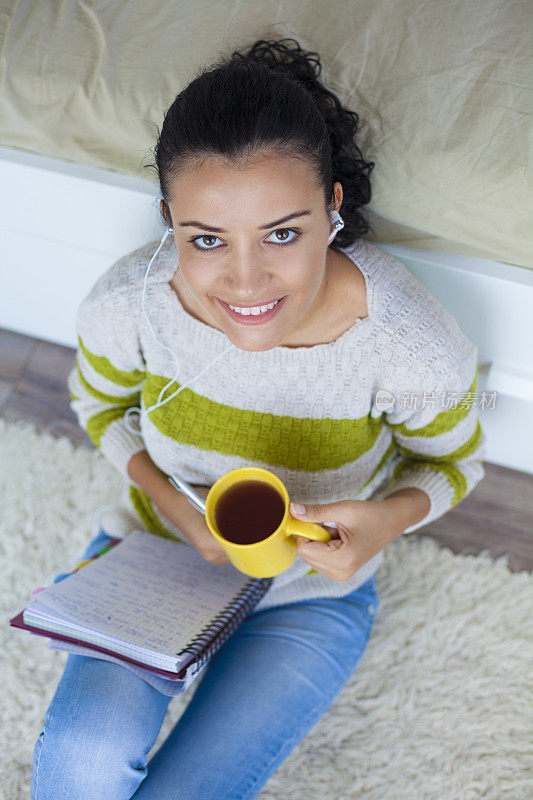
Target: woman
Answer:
[[259, 174]]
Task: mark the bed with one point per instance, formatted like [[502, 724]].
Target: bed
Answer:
[[444, 93]]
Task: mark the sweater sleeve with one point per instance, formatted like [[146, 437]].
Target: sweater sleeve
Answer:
[[109, 372], [439, 439]]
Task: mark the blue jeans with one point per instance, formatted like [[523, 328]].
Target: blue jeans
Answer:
[[258, 697]]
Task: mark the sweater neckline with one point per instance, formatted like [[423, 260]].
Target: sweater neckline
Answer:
[[206, 336]]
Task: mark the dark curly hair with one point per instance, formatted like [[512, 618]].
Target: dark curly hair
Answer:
[[268, 97]]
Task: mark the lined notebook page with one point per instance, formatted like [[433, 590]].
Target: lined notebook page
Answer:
[[151, 592]]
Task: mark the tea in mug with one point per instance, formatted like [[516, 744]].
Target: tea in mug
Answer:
[[249, 511]]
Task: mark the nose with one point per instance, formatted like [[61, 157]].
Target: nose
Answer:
[[247, 279]]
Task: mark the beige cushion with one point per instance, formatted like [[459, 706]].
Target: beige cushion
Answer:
[[443, 89]]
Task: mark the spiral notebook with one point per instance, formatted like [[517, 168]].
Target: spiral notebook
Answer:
[[148, 602]]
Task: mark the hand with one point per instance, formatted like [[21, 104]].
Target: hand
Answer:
[[364, 528], [197, 532]]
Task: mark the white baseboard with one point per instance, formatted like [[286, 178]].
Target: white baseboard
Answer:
[[63, 224]]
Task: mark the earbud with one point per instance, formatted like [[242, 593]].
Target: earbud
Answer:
[[337, 224]]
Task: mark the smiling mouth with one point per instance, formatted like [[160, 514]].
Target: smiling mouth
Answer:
[[253, 318]]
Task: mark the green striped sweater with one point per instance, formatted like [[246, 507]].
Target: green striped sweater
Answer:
[[389, 404]]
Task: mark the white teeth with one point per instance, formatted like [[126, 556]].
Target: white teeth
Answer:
[[255, 310]]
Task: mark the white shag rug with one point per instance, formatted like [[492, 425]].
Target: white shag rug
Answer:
[[440, 706]]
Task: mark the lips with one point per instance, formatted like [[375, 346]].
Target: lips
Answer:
[[253, 319], [252, 305]]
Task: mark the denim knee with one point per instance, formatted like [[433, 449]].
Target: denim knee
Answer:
[[72, 762], [97, 732]]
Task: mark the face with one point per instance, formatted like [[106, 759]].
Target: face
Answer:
[[236, 247]]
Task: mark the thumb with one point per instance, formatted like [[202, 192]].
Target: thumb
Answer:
[[318, 514], [326, 513]]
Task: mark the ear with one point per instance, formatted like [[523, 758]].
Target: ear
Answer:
[[336, 197], [166, 213]]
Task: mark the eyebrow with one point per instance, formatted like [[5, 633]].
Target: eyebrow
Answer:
[[195, 224]]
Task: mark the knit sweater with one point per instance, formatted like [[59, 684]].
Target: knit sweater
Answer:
[[387, 405]]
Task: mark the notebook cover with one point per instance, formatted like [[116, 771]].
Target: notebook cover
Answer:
[[18, 622]]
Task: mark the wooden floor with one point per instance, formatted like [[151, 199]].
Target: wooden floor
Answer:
[[497, 516]]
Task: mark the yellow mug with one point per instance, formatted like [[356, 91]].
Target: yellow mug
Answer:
[[276, 552]]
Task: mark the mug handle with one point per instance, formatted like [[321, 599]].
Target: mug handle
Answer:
[[310, 530]]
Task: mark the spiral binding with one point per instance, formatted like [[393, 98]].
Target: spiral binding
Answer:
[[203, 646]]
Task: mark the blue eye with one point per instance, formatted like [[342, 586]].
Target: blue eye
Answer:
[[195, 239]]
